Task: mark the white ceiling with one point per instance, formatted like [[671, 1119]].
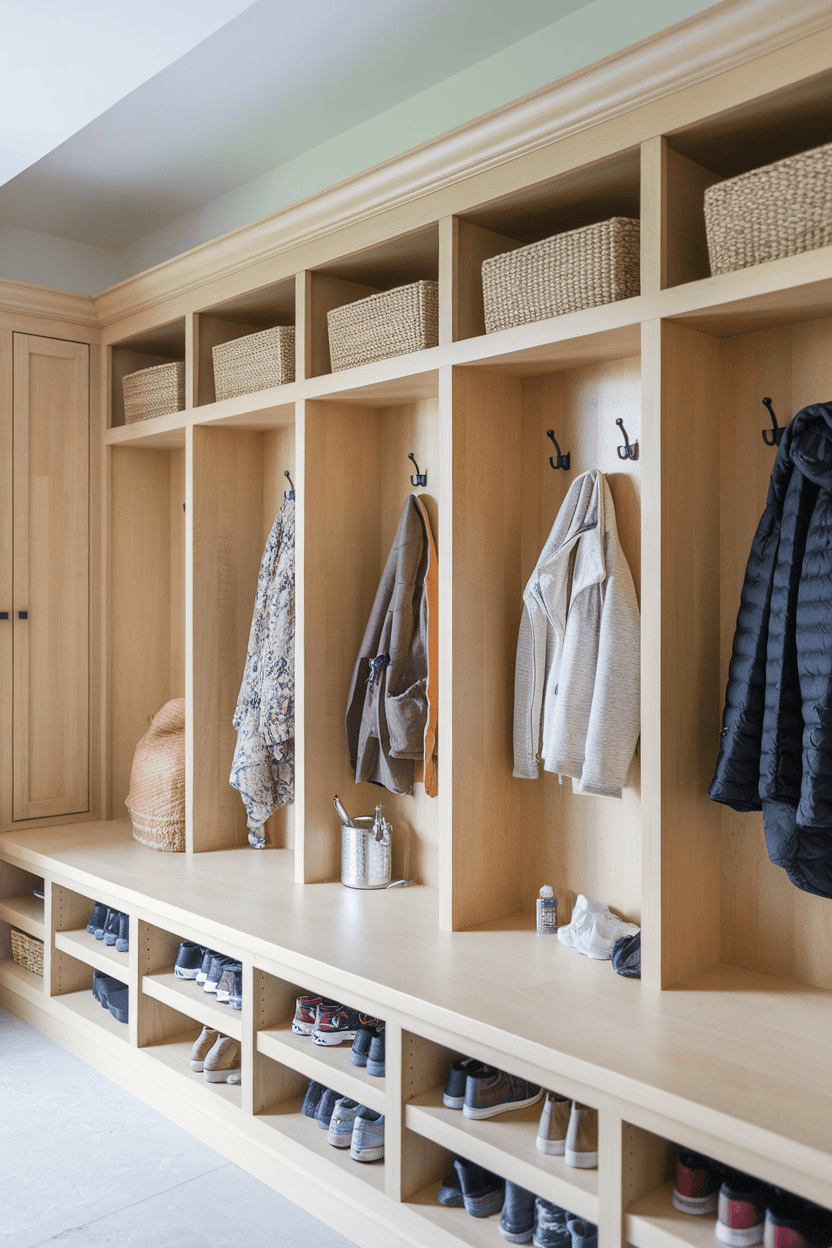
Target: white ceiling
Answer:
[[127, 138]]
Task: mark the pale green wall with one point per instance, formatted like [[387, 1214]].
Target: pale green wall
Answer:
[[600, 29]]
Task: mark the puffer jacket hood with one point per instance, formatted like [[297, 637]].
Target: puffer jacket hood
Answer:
[[776, 742]]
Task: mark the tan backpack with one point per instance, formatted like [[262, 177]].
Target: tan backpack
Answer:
[[156, 800]]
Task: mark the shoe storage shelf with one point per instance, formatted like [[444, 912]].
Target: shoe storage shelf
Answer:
[[723, 1046]]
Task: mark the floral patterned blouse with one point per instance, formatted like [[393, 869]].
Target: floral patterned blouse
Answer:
[[263, 770]]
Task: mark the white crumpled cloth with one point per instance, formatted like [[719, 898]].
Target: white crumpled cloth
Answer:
[[594, 929]]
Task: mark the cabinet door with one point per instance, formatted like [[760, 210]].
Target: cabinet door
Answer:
[[50, 729]]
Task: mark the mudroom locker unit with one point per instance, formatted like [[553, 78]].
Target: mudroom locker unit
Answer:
[[724, 1045]]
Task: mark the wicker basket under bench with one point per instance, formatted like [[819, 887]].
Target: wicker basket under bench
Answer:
[[27, 951]]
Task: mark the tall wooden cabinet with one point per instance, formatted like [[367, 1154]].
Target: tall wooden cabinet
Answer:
[[45, 433], [724, 1045]]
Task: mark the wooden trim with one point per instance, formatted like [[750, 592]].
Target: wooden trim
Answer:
[[706, 45], [43, 301]]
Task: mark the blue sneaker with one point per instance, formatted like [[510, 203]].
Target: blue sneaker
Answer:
[[367, 1143]]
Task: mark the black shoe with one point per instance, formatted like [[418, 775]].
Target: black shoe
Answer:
[[454, 1095], [361, 1043], [188, 960], [117, 1003], [375, 1058], [517, 1218], [325, 1107], [312, 1099], [450, 1192], [98, 917], [111, 927], [123, 936], [103, 985], [482, 1191]]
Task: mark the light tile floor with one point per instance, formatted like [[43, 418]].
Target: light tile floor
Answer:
[[84, 1163]]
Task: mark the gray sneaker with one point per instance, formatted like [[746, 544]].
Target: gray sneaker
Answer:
[[225, 983], [341, 1123], [367, 1142]]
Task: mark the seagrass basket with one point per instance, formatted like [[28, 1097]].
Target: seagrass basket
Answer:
[[156, 800], [390, 323], [156, 391], [255, 362], [565, 273], [27, 951], [779, 210]]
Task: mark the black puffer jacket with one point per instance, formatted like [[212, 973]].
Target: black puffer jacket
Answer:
[[776, 741]]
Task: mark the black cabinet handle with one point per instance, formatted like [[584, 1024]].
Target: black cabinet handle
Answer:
[[23, 615], [4, 615]]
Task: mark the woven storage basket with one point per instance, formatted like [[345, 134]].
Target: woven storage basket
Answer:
[[392, 322], [27, 951], [779, 210], [580, 269], [156, 391], [156, 800], [255, 362]]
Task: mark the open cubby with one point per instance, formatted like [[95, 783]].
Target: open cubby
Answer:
[[160, 345], [236, 318]]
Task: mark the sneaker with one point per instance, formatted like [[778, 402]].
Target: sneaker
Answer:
[[795, 1223], [235, 995], [103, 985], [202, 974], [584, 1234], [117, 1003], [341, 1123], [697, 1183], [122, 933], [375, 1058], [581, 1147], [361, 1043], [367, 1142], [188, 960], [226, 981], [482, 1191], [741, 1211], [485, 1097], [454, 1095], [450, 1192], [202, 1046], [306, 1013], [335, 1024], [212, 979], [111, 927], [223, 1060], [326, 1108], [312, 1099], [554, 1120], [517, 1217], [99, 931], [550, 1229], [98, 917]]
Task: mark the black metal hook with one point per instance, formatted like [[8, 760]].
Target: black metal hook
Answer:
[[421, 478], [772, 436], [557, 460], [630, 449], [289, 493]]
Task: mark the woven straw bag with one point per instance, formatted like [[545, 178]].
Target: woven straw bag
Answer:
[[157, 782], [780, 210]]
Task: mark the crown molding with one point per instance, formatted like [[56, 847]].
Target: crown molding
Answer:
[[721, 38], [44, 302]]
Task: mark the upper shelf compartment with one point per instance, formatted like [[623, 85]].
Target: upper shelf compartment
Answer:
[[162, 345], [587, 196], [397, 262], [755, 135], [268, 308]]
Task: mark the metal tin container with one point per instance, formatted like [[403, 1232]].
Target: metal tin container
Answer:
[[365, 862]]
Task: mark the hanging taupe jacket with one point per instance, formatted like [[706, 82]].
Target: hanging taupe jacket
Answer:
[[391, 709], [577, 674]]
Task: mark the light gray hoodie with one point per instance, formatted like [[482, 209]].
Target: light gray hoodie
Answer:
[[577, 674]]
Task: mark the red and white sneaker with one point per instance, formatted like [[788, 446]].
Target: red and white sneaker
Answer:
[[741, 1211], [337, 1023], [306, 1013], [697, 1183]]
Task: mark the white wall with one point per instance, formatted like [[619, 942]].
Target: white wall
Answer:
[[62, 263]]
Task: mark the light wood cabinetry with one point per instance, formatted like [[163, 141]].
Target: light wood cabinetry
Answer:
[[722, 1045]]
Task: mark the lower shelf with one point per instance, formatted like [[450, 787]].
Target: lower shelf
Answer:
[[175, 1053], [506, 1145], [454, 1225], [84, 1005], [305, 1132], [654, 1223]]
